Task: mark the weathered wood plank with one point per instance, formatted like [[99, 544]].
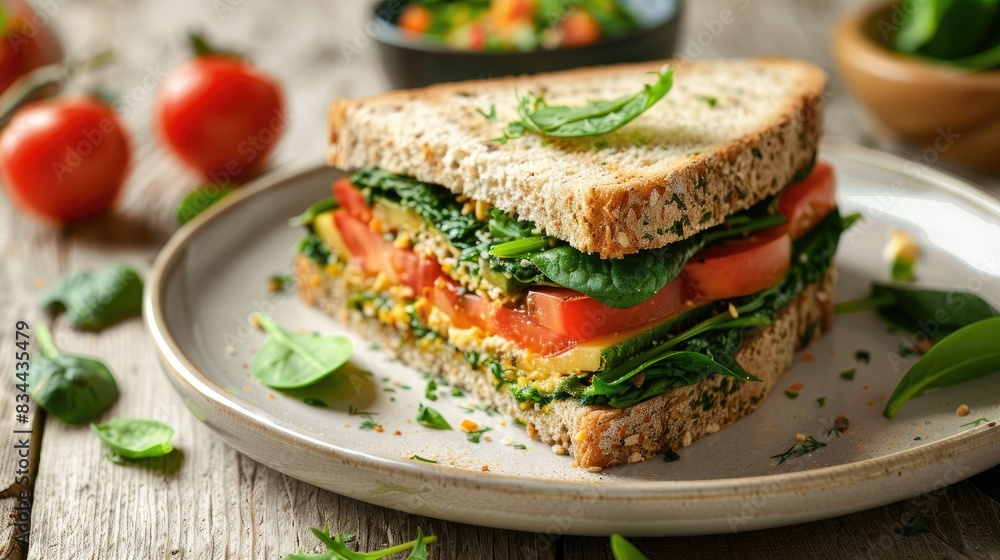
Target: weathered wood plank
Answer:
[[961, 523]]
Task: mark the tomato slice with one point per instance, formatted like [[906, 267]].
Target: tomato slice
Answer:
[[352, 199], [515, 324], [579, 316], [466, 309], [808, 201], [739, 268]]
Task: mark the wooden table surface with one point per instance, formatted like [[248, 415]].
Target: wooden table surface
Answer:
[[221, 504]]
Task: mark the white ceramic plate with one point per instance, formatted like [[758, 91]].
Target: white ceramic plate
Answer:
[[212, 275]]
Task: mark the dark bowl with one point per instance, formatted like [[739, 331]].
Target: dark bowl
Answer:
[[411, 63]]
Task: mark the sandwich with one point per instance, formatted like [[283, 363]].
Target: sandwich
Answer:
[[620, 291]]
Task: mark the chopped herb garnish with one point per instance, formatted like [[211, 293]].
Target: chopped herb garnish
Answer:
[[374, 346], [520, 446], [791, 394], [975, 423], [369, 423], [405, 387], [355, 412], [315, 402], [456, 392], [474, 435], [709, 99], [914, 524], [419, 458], [821, 402], [491, 116], [863, 356], [388, 390], [278, 283], [849, 374], [809, 445], [431, 418], [670, 456], [430, 392], [336, 548]]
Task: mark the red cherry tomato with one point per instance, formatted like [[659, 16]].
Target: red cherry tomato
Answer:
[[64, 160], [221, 116], [416, 18], [580, 29], [26, 42]]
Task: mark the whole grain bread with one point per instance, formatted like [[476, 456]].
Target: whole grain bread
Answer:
[[729, 133], [602, 436]]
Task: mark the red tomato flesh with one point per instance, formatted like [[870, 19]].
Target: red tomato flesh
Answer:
[[806, 202], [352, 199], [579, 316], [739, 268], [466, 309]]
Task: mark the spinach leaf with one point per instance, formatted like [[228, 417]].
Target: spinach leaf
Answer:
[[619, 283], [968, 353], [963, 33], [621, 549], [934, 313], [135, 438], [93, 300], [431, 418], [72, 388], [306, 218], [290, 360], [198, 200], [594, 118]]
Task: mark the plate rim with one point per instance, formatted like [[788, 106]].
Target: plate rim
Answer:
[[183, 371]]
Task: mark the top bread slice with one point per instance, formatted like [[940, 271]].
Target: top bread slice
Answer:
[[729, 134]]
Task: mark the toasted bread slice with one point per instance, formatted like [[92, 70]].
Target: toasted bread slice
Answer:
[[601, 436], [729, 134]]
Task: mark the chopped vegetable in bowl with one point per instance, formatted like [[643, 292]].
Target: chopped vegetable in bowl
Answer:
[[515, 25]]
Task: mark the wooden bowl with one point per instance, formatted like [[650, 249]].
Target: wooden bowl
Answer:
[[949, 112]]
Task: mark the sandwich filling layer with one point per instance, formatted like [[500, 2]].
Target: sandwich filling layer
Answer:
[[550, 322]]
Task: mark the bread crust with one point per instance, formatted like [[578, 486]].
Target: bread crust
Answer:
[[681, 167], [602, 436]]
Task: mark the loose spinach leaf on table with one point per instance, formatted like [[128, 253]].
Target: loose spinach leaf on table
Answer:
[[934, 313], [135, 438], [594, 118], [621, 549], [72, 388], [93, 300], [199, 200], [290, 360], [969, 353]]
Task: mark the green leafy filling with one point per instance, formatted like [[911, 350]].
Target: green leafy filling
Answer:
[[515, 249]]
